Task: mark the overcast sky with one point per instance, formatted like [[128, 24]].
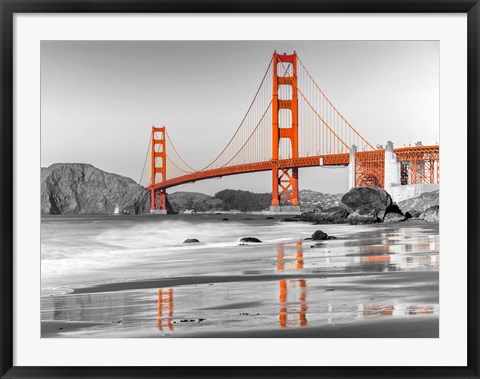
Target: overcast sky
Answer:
[[100, 99]]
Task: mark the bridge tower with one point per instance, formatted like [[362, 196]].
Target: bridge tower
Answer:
[[284, 179], [159, 168]]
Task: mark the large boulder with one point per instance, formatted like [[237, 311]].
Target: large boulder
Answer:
[[366, 204]]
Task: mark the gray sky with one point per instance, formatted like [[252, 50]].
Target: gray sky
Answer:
[[99, 99]]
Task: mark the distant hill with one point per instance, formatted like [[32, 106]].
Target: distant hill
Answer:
[[194, 201], [311, 200], [244, 201]]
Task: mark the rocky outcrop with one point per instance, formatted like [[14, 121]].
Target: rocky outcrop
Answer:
[[420, 204], [368, 205], [432, 214], [357, 218], [424, 207], [337, 215], [70, 188], [393, 217]]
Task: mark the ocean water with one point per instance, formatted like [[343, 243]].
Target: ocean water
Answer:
[[368, 271]]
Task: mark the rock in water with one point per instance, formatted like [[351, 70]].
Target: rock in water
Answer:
[[394, 217], [319, 236], [250, 239], [191, 240]]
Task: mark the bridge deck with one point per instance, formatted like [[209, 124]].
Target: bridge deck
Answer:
[[318, 160], [404, 153]]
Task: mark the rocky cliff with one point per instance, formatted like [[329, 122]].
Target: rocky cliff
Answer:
[[425, 207], [69, 188]]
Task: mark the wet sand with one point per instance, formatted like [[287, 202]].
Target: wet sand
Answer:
[[209, 279], [377, 281], [383, 305], [56, 328], [426, 327]]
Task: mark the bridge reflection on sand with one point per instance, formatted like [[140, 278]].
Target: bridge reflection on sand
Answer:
[[293, 308], [165, 309], [298, 286]]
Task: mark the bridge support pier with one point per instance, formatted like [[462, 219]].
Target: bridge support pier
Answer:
[[158, 156], [284, 179], [159, 201], [351, 167], [392, 169], [289, 210]]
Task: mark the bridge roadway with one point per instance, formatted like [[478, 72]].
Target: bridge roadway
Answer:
[[313, 161], [408, 153]]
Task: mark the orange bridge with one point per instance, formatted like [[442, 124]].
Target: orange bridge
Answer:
[[290, 124]]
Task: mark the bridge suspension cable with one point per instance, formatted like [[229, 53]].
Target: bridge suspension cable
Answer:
[[331, 104], [145, 163], [249, 143], [322, 129], [172, 145]]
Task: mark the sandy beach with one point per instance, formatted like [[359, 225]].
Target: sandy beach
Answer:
[[377, 281]]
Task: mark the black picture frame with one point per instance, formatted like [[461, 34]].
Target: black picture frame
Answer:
[[7, 10]]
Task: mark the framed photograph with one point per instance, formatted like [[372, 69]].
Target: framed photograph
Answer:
[[204, 189]]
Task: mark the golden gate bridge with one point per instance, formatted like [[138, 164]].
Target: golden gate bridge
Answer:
[[289, 124]]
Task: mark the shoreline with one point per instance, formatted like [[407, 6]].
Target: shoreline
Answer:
[[210, 279]]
